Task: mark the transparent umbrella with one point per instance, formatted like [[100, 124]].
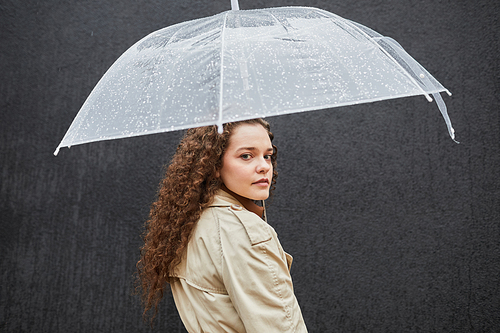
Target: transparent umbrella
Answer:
[[243, 64]]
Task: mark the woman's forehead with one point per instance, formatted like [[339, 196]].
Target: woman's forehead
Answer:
[[249, 135]]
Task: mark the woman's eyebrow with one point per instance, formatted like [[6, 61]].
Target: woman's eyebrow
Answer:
[[253, 148]]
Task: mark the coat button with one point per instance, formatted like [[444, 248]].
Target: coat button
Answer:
[[236, 207]]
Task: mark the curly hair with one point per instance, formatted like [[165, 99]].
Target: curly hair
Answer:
[[189, 186]]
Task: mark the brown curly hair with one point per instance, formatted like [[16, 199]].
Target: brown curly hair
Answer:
[[189, 185]]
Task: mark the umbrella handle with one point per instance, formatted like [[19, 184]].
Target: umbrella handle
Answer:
[[235, 5]]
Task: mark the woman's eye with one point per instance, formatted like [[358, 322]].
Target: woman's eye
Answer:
[[245, 156], [268, 157]]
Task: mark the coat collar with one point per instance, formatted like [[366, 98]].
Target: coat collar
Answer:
[[224, 199]]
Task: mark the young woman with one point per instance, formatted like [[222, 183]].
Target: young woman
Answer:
[[210, 241]]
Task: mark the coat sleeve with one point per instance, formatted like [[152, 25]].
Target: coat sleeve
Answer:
[[256, 276]]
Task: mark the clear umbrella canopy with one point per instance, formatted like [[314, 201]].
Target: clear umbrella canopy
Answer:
[[243, 64]]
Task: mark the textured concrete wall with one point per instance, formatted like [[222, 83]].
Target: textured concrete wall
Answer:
[[393, 227]]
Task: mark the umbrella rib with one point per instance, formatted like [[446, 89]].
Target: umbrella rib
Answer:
[[439, 101], [429, 98], [279, 22], [219, 122]]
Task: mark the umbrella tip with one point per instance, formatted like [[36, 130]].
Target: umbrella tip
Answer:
[[452, 134], [56, 151]]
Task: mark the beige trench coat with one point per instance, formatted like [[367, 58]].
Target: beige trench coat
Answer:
[[234, 276]]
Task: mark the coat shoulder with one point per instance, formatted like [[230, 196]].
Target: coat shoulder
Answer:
[[234, 217]]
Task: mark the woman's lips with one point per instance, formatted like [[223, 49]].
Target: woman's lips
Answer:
[[262, 182]]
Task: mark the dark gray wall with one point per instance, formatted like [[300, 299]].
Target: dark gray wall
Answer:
[[393, 227]]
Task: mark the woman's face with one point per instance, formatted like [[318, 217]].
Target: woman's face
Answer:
[[246, 165]]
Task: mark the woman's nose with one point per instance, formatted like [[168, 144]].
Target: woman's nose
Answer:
[[264, 165]]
